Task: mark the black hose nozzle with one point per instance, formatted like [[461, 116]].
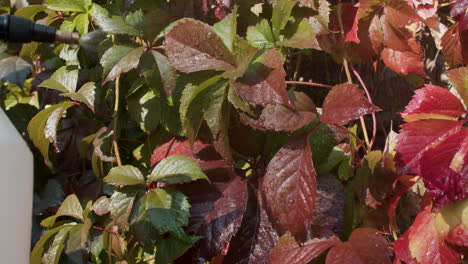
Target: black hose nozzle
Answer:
[[22, 30]]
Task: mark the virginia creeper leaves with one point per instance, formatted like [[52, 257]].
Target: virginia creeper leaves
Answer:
[[177, 169], [194, 46], [124, 175], [345, 102], [404, 62], [14, 69], [120, 59], [63, 80], [458, 78], [290, 186]]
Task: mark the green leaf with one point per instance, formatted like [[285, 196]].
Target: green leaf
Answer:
[[227, 29], [78, 236], [144, 107], [166, 220], [82, 23], [333, 159], [120, 207], [70, 207], [68, 5], [39, 248], [101, 206], [120, 59], [321, 143], [260, 35], [177, 169], [14, 69], [55, 250], [192, 105], [303, 37], [43, 128], [171, 248], [84, 95], [217, 118], [113, 23], [31, 11], [84, 143], [168, 74], [125, 175], [280, 17], [63, 80]]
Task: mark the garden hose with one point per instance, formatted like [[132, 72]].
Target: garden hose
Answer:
[[22, 30]]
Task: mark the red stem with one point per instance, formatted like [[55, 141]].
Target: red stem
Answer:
[[374, 119], [310, 84], [105, 230]]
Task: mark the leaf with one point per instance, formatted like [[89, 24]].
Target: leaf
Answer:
[[376, 34], [290, 186], [113, 23], [227, 29], [416, 137], [260, 35], [458, 79], [303, 37], [217, 211], [120, 208], [442, 166], [451, 223], [68, 5], [15, 70], [171, 248], [452, 47], [55, 250], [282, 118], [217, 117], [365, 245], [39, 248], [63, 80], [403, 62], [345, 102], [433, 102], [168, 74], [30, 11], [176, 169], [101, 206], [120, 59], [84, 95], [43, 128], [280, 16], [264, 83], [288, 250], [425, 9], [320, 21], [70, 207], [193, 46], [144, 107], [125, 175], [192, 104], [168, 210]]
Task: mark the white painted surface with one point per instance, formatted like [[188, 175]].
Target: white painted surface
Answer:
[[16, 194]]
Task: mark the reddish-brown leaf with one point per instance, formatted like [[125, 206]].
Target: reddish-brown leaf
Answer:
[[425, 244], [365, 245], [415, 138], [405, 62], [452, 46], [395, 38], [287, 251], [345, 102], [442, 167], [458, 77], [433, 102], [282, 118], [264, 83], [376, 34], [200, 152], [290, 186], [402, 12], [194, 46], [426, 8]]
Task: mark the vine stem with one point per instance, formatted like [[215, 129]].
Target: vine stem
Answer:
[[115, 116], [352, 134], [309, 84], [374, 119], [105, 230]]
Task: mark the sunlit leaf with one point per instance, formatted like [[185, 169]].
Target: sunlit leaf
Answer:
[[176, 169], [458, 78], [124, 175], [281, 12], [14, 69], [70, 207], [120, 59]]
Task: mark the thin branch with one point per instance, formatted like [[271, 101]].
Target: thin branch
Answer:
[[309, 84], [116, 121], [374, 119], [105, 230]]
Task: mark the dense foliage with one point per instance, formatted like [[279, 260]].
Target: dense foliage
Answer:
[[186, 132]]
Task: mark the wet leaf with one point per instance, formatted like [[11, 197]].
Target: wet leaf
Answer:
[[63, 80], [403, 62], [303, 37], [68, 5], [14, 69], [290, 186], [55, 250], [194, 46], [120, 59], [70, 207], [120, 208], [85, 95], [124, 175], [227, 29], [345, 102], [260, 35], [176, 169], [113, 23], [281, 12], [458, 79], [101, 206]]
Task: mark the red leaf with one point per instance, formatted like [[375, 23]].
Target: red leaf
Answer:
[[345, 102], [402, 13], [402, 251], [217, 211], [442, 168], [426, 8], [194, 46], [352, 34], [458, 236], [452, 46], [415, 138], [265, 83], [403, 62], [458, 78], [290, 186], [287, 251], [282, 118], [364, 246], [376, 34], [433, 102], [199, 152], [459, 8], [425, 244]]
